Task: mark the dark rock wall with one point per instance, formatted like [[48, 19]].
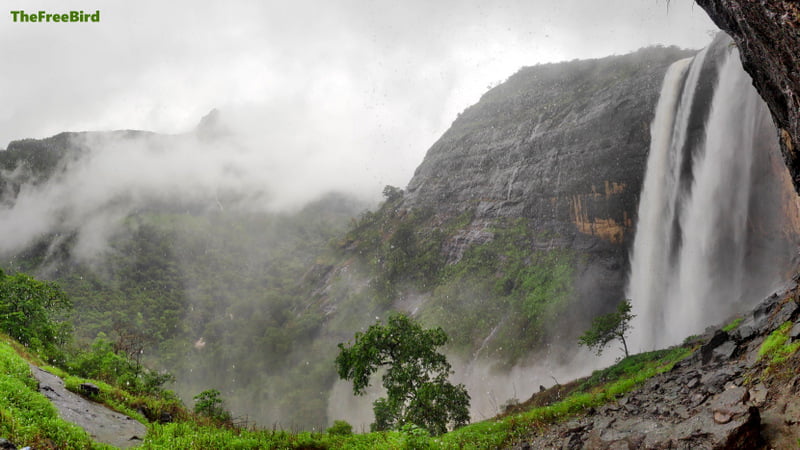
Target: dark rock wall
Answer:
[[562, 144], [767, 33]]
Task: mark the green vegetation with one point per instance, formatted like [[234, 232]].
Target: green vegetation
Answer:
[[415, 379], [209, 404], [418, 376], [777, 346], [603, 387], [217, 299], [505, 288], [340, 427], [103, 362], [609, 327], [632, 365], [733, 325], [26, 416], [191, 432], [393, 248], [31, 311]]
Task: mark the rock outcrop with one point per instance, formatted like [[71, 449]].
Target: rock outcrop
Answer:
[[767, 33]]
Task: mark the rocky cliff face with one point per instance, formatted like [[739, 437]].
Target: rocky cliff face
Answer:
[[768, 36], [562, 144]]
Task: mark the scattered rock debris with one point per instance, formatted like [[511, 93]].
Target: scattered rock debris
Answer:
[[721, 397]]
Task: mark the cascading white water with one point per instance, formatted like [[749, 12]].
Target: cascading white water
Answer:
[[688, 266], [650, 247]]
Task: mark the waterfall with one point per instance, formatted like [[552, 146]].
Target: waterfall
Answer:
[[696, 241]]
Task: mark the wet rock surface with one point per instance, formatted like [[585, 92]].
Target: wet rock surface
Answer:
[[715, 399], [562, 145], [103, 424], [767, 33]]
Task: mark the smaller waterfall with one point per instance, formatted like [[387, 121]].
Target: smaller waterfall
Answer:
[[696, 243]]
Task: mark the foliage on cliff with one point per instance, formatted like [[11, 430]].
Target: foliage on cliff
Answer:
[[513, 278]]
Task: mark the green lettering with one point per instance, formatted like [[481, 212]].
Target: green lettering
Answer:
[[44, 16]]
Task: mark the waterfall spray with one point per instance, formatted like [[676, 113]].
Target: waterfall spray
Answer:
[[695, 240]]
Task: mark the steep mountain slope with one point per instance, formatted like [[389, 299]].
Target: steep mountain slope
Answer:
[[561, 144]]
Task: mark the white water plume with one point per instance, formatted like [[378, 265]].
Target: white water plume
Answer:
[[695, 238]]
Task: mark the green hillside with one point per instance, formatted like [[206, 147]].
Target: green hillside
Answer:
[[28, 418]]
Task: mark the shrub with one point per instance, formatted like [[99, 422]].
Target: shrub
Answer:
[[341, 428], [103, 363], [209, 404]]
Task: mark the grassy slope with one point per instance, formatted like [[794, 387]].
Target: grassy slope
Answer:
[[27, 417]]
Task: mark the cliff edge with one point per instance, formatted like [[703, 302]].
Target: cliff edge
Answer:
[[768, 36]]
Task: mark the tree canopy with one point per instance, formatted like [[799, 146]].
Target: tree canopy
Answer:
[[415, 379], [30, 312]]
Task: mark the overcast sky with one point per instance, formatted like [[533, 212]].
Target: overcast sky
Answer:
[[367, 84]]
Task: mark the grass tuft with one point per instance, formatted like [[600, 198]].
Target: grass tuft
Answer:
[[733, 325], [777, 346]]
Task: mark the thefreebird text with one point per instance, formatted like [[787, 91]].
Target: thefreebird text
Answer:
[[44, 16]]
